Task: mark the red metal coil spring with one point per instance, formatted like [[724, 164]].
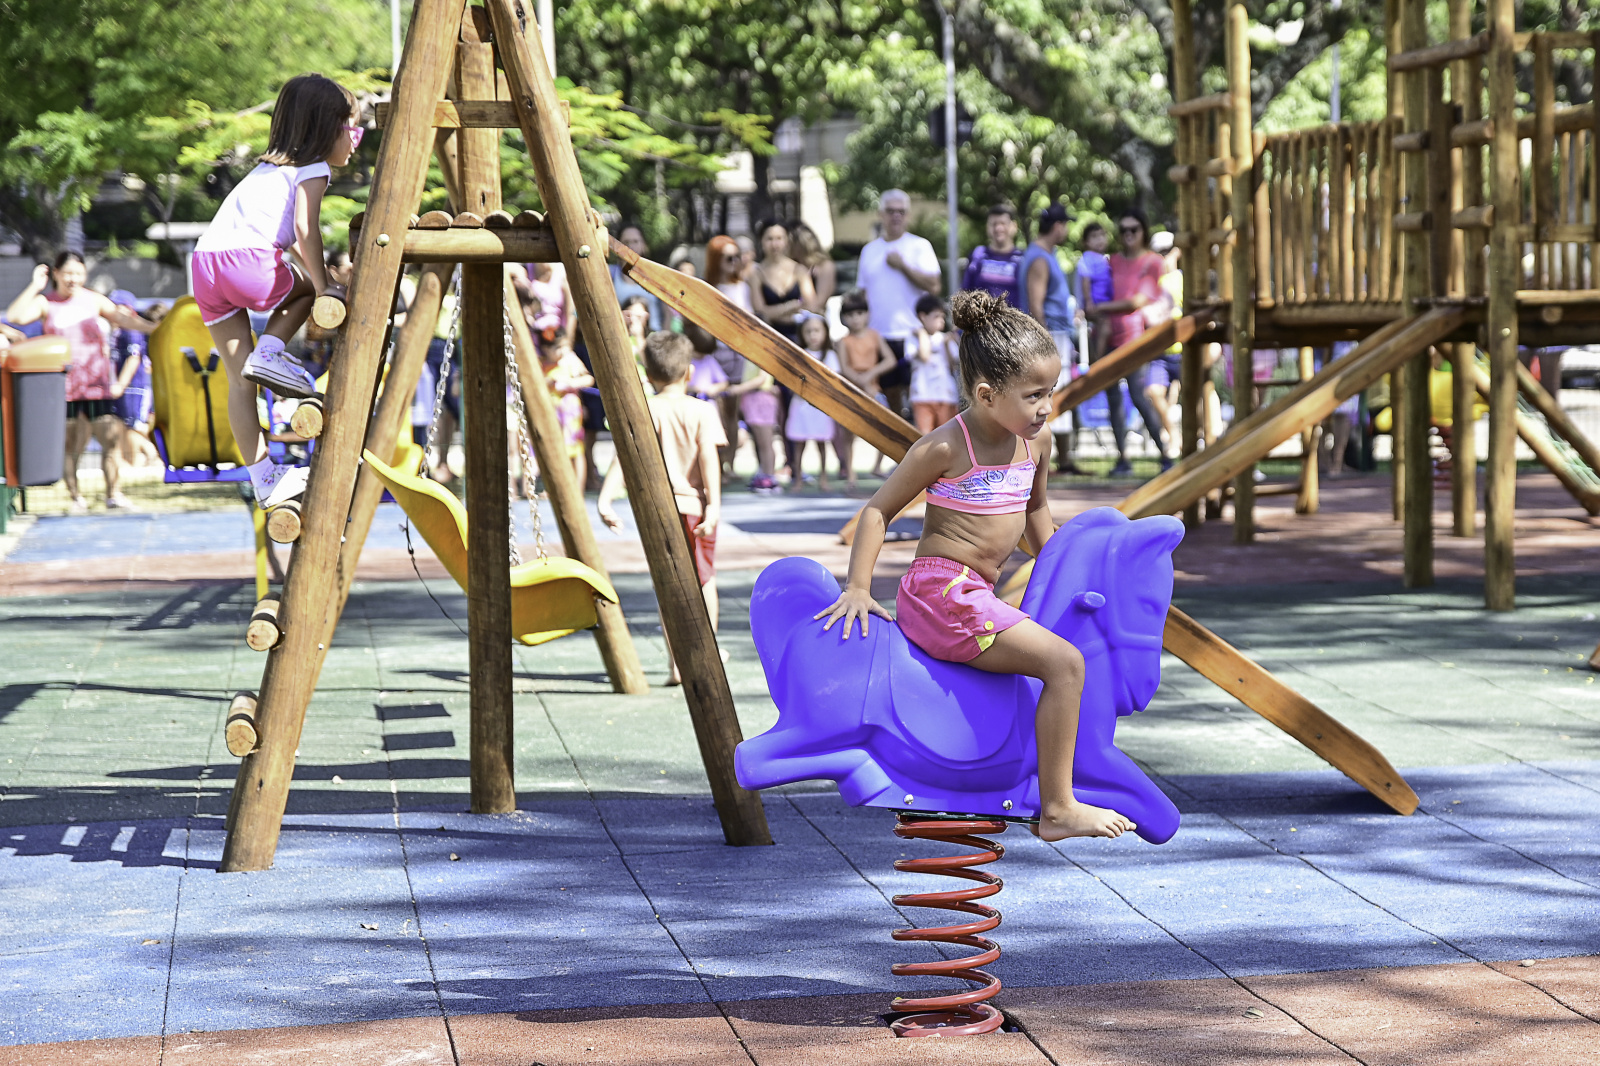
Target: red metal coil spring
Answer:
[[962, 1013]]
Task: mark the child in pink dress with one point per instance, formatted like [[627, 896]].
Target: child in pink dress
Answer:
[[239, 266], [984, 476]]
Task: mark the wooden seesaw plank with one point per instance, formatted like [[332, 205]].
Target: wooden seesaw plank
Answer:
[[1210, 655]]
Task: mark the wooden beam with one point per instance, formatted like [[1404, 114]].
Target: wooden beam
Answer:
[[1466, 93], [1241, 321], [1557, 418], [1505, 269], [240, 731], [1130, 357], [263, 634], [1291, 712], [1438, 55], [483, 419], [583, 243], [566, 500], [472, 114], [762, 345], [1538, 440], [292, 669], [1415, 406], [1200, 105], [1307, 404]]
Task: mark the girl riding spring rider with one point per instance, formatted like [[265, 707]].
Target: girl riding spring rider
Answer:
[[985, 485], [239, 263]]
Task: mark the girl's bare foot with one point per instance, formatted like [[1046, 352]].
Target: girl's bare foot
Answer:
[[1080, 820]]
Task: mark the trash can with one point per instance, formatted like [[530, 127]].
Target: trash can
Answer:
[[33, 410]]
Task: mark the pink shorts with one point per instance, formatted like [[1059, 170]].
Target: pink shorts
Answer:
[[950, 612], [254, 279]]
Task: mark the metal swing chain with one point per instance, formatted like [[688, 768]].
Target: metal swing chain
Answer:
[[443, 384], [525, 446]]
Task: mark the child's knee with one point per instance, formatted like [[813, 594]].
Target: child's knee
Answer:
[[1066, 666]]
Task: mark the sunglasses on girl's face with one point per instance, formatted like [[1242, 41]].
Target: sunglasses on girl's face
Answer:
[[356, 133], [1132, 229]]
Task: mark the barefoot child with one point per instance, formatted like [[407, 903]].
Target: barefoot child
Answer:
[[864, 357], [934, 361], [239, 265], [985, 483], [690, 431]]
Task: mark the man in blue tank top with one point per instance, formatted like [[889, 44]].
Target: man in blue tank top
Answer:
[[1048, 299]]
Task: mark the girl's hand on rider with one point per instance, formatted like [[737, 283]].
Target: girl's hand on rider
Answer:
[[853, 603]]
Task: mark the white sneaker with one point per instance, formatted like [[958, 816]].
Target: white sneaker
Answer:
[[285, 483], [280, 372]]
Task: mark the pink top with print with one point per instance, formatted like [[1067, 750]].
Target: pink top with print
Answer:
[[78, 320], [986, 489]]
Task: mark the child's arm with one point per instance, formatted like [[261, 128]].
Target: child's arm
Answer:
[[129, 368], [711, 478], [28, 307], [609, 488], [308, 231], [924, 464], [1039, 525], [886, 362], [924, 347]]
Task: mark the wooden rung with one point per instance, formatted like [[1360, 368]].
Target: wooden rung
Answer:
[[473, 115], [1411, 142], [1438, 55], [1220, 235], [1566, 232], [263, 634], [1467, 134], [306, 421], [467, 220], [1559, 41], [514, 245], [498, 220], [1414, 222], [528, 220], [240, 731], [328, 312], [1181, 174], [1218, 168], [283, 522], [431, 220], [1568, 120], [1481, 217], [1539, 297], [1201, 104]]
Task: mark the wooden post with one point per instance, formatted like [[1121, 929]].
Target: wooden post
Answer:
[[1242, 321], [1466, 90], [309, 594], [483, 417], [393, 414], [1191, 389], [572, 515], [1417, 507], [583, 246], [1505, 270], [1390, 168], [1306, 501]]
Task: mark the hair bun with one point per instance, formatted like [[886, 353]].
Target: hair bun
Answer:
[[975, 309]]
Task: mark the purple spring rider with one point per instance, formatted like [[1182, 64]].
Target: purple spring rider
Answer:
[[899, 729]]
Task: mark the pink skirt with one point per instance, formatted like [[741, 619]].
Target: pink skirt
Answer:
[[950, 612]]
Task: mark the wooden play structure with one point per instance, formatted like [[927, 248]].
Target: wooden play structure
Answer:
[[466, 73]]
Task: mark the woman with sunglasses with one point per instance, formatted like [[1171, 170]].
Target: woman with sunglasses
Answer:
[[239, 264], [1137, 303]]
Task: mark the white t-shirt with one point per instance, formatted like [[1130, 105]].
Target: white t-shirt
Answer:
[[934, 381], [259, 212], [891, 298]]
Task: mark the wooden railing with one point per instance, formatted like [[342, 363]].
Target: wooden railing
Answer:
[[1326, 215]]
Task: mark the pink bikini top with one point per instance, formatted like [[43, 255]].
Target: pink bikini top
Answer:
[[986, 489]]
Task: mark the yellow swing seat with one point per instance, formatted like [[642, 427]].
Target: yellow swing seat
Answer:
[[550, 597]]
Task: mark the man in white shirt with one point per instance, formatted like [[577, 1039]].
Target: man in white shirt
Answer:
[[896, 269]]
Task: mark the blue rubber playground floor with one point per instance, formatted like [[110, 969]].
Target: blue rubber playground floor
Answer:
[[610, 887]]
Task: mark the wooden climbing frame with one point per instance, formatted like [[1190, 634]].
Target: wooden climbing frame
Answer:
[[483, 55]]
